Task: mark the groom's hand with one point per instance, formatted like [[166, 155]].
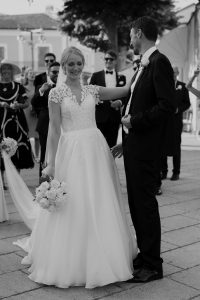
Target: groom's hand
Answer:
[[116, 104], [126, 121], [117, 151]]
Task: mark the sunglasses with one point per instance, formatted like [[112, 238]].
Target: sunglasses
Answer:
[[55, 72], [49, 60], [109, 59]]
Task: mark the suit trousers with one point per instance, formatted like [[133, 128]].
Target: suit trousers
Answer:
[[141, 184], [176, 160]]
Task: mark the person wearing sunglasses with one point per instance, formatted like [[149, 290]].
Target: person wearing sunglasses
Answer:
[[41, 78], [40, 104], [108, 114]]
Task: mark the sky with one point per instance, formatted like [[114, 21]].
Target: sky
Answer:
[[12, 7], [38, 6]]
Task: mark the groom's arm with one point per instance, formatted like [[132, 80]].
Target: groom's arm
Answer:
[[163, 85]]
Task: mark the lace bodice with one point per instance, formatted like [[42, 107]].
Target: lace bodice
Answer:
[[76, 116]]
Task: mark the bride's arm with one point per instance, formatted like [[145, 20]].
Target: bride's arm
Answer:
[[113, 93], [53, 137]]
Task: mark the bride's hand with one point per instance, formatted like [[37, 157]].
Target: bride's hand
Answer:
[[117, 151], [48, 171]]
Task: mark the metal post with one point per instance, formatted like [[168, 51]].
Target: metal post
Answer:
[[32, 50]]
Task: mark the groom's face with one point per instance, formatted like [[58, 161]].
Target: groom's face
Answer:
[[135, 40]]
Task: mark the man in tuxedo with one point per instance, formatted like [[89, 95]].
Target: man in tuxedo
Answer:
[[108, 114], [40, 104], [41, 78], [151, 102], [183, 103]]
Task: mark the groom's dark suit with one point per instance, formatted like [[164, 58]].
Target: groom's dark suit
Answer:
[[152, 104], [108, 118]]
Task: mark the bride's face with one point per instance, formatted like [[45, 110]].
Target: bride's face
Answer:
[[74, 66]]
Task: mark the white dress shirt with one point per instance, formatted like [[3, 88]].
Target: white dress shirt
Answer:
[[110, 79]]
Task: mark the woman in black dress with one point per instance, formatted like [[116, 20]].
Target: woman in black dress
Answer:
[[13, 100]]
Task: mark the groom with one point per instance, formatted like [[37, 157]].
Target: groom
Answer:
[[150, 104]]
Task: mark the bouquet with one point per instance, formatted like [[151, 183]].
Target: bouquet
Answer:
[[51, 195], [9, 145]]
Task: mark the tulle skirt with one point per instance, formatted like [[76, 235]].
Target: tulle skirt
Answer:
[[88, 242]]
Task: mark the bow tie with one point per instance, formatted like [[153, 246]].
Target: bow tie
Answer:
[[109, 72]]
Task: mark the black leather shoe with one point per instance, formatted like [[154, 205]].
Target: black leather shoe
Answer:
[[5, 187], [175, 177], [146, 275], [137, 263]]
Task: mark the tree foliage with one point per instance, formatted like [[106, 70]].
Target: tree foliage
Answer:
[[101, 24]]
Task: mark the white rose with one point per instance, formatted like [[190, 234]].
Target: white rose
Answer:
[[64, 186], [55, 184], [39, 196], [44, 203], [51, 194], [44, 186]]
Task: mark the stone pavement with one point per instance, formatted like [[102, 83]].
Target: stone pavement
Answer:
[[180, 218]]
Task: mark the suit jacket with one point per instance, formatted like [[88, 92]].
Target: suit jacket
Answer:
[[40, 104], [104, 111], [152, 109], [40, 79], [183, 102]]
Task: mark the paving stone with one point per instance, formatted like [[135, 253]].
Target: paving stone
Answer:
[[189, 277], [184, 257], [176, 222], [169, 269], [13, 230], [74, 293], [14, 218], [193, 214], [6, 247], [167, 246], [183, 236], [10, 262], [14, 283], [164, 289], [170, 210]]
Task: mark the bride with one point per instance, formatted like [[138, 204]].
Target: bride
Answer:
[[89, 242]]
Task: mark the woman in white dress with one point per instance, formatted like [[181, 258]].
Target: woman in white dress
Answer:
[[88, 242]]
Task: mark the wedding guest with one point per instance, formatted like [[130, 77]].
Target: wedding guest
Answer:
[[40, 104], [183, 103], [108, 114], [30, 113], [150, 104], [41, 78], [13, 100], [189, 84]]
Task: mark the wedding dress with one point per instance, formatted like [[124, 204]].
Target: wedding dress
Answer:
[[88, 242]]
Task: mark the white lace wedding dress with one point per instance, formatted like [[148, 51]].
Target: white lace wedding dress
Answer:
[[89, 242]]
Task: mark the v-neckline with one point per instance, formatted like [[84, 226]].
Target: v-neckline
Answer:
[[74, 98]]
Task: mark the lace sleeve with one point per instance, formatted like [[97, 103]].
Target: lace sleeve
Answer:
[[94, 90], [55, 96]]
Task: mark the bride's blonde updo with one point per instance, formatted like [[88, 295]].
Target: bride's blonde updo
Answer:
[[67, 52]]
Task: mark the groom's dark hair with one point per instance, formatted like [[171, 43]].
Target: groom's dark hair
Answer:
[[148, 27]]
